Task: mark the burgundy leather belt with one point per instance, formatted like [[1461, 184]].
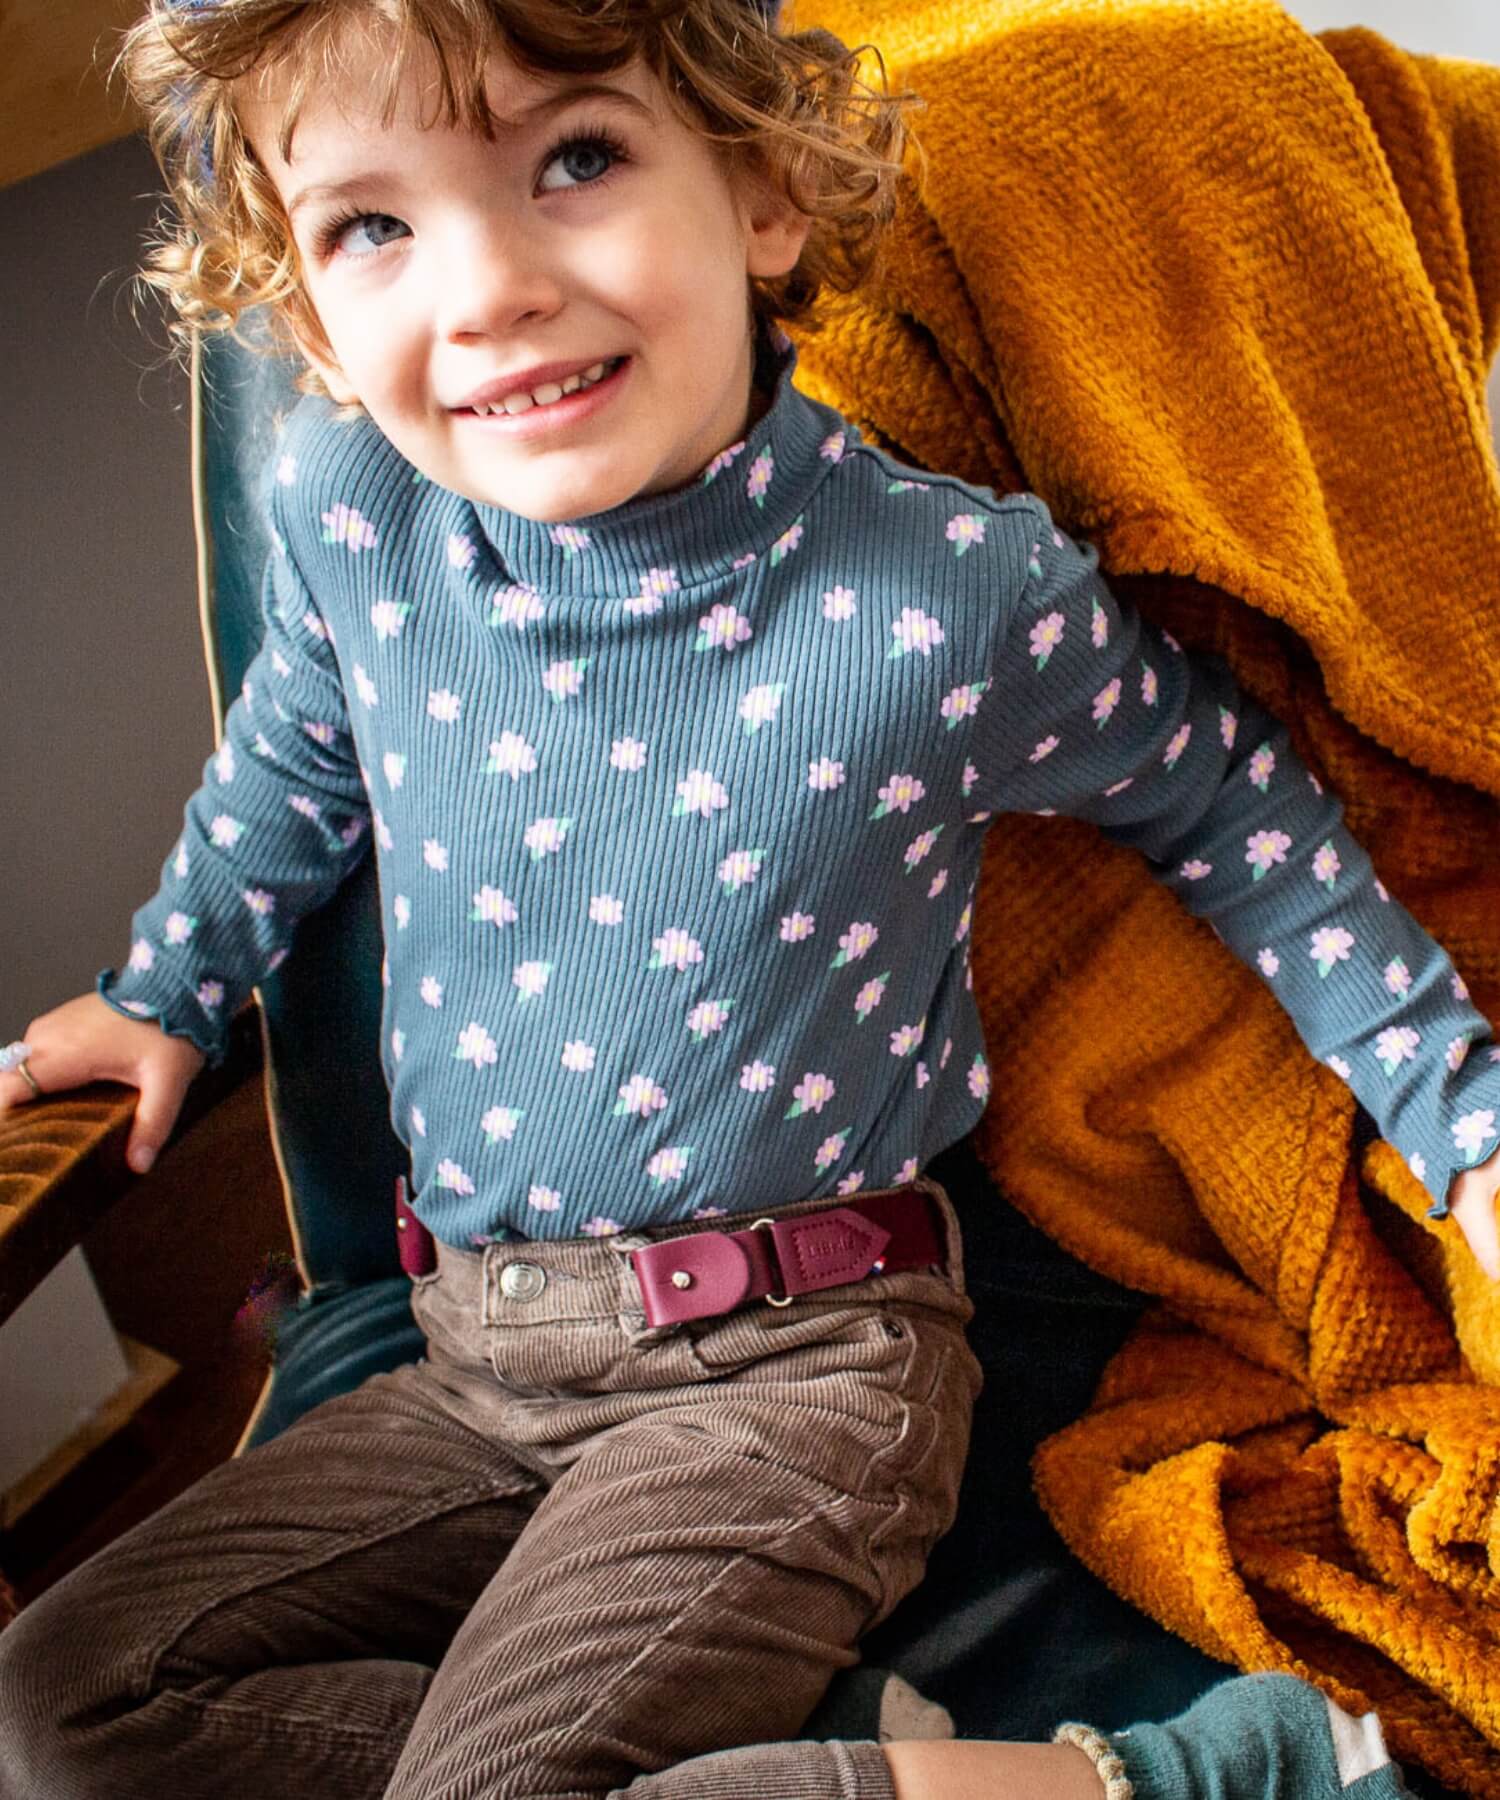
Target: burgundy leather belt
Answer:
[[712, 1272]]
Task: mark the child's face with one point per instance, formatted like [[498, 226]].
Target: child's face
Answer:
[[450, 271]]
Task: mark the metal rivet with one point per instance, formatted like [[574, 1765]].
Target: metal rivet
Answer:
[[522, 1281], [681, 1279]]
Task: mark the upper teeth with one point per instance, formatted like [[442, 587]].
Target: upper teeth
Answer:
[[546, 394]]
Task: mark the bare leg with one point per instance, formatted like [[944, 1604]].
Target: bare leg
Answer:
[[968, 1769]]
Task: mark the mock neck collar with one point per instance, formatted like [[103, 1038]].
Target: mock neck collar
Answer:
[[732, 513]]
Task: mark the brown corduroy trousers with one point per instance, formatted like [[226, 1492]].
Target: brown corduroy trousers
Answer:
[[563, 1549]]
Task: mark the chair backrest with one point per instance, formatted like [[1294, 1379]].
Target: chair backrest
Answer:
[[321, 1010]]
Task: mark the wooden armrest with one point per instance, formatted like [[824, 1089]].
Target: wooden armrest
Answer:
[[62, 1161]]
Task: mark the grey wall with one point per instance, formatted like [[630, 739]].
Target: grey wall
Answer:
[[104, 713]]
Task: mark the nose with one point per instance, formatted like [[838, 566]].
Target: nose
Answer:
[[494, 275]]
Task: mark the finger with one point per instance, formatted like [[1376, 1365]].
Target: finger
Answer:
[[16, 1090]]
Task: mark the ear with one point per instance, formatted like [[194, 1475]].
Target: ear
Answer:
[[314, 346], [775, 231]]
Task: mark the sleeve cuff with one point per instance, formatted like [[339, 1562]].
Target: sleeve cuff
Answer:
[[212, 1043]]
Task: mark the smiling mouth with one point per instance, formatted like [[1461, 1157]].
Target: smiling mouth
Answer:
[[548, 395]]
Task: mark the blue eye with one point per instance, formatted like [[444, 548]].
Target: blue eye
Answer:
[[376, 229], [585, 158]]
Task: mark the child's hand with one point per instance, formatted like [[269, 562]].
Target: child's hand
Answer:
[[1472, 1201], [87, 1040]]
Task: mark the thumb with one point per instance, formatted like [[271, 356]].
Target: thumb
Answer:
[[155, 1114]]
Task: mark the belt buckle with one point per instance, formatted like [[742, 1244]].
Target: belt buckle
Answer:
[[772, 1299]]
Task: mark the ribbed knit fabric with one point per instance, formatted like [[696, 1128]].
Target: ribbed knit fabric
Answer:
[[801, 1771], [679, 812]]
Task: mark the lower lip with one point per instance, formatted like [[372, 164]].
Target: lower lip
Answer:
[[572, 409]]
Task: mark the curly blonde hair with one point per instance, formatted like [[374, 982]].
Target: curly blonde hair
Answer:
[[792, 110]]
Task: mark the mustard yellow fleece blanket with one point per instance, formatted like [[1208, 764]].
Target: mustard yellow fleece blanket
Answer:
[[1225, 294]]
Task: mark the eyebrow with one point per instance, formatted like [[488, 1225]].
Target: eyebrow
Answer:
[[528, 115]]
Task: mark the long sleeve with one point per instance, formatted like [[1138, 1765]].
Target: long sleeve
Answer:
[[281, 818], [1105, 718]]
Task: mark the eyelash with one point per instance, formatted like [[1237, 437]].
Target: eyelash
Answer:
[[328, 234]]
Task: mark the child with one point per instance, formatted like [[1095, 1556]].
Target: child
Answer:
[[676, 715]]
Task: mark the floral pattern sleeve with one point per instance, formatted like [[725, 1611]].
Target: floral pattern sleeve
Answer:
[[280, 819], [1106, 718]]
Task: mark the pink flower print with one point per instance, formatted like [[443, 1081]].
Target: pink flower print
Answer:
[[1099, 626], [444, 706], [920, 846], [544, 1199], [761, 705], [701, 793], [979, 1078], [656, 584], [530, 978], [142, 956], [640, 1096], [352, 832], [906, 1173], [431, 991], [1269, 961], [795, 927], [460, 550], [286, 471], [1456, 1054], [722, 627], [316, 627], [491, 907], [939, 882], [851, 1184], [1330, 944], [394, 765], [907, 487], [1395, 1045], [1228, 725], [385, 971], [761, 471], [364, 687], [500, 1122], [1265, 848], [870, 995], [811, 1094], [387, 842], [605, 909], [838, 603], [825, 774], [544, 837], [854, 943], [180, 867], [1472, 1132], [722, 461], [914, 631], [419, 1121], [569, 539], [263, 748], [963, 531], [564, 679], [224, 833], [743, 562], [1178, 743], [740, 868], [475, 1045], [1046, 635], [435, 855], [1397, 977], [970, 776], [319, 732], [1262, 767], [1171, 642], [388, 617], [1326, 865], [628, 754], [1149, 685], [831, 1149], [260, 902], [1043, 749], [906, 1038], [210, 995], [707, 1017], [962, 703], [347, 527], [947, 1052], [450, 1175], [1459, 986], [708, 1212], [1195, 869], [900, 794], [518, 605], [578, 1056], [786, 543], [923, 1076], [1380, 888], [278, 957], [756, 1077], [670, 1164], [511, 755], [138, 1007], [832, 447], [674, 949], [1105, 702], [398, 1044]]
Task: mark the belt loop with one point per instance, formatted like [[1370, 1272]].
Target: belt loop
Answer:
[[785, 1298]]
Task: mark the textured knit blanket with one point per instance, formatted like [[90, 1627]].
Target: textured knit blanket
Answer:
[[1225, 294]]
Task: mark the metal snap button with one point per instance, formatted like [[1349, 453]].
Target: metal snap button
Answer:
[[522, 1281]]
